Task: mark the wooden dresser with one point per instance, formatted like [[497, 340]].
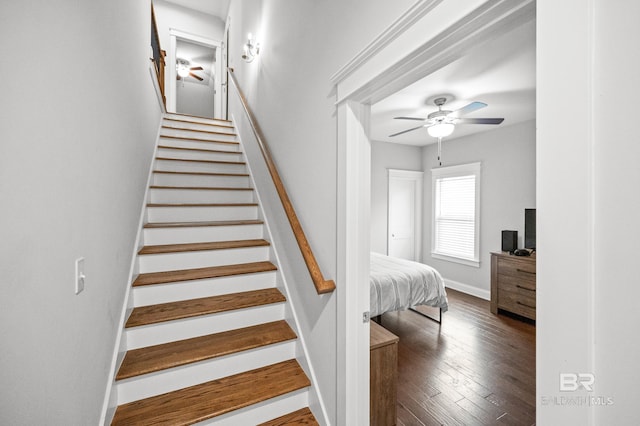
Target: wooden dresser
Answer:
[[513, 284], [383, 376]]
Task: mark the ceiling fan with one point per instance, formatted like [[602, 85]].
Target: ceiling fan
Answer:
[[184, 70], [441, 123]]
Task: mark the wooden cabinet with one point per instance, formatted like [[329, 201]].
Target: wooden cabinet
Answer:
[[383, 376], [513, 284]]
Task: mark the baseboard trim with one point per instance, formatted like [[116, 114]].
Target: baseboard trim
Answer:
[[468, 289]]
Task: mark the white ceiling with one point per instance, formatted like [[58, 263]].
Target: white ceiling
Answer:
[[217, 8], [500, 73]]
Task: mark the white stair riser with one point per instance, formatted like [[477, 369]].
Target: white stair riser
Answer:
[[165, 195], [216, 126], [190, 119], [262, 412], [196, 166], [172, 179], [220, 136], [181, 377], [200, 259], [191, 214], [201, 234], [184, 290], [200, 155], [155, 334], [198, 144]]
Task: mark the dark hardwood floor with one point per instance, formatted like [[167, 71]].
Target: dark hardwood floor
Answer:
[[474, 369]]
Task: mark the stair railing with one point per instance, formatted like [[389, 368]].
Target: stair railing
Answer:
[[321, 284], [158, 55]]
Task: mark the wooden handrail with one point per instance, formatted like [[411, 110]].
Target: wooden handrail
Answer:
[[158, 54], [322, 285]]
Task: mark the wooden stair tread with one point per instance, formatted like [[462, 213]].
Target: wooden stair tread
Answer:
[[207, 400], [201, 173], [184, 138], [160, 357], [216, 151], [145, 315], [151, 278], [189, 160], [201, 188], [304, 416], [214, 245], [202, 204], [153, 225]]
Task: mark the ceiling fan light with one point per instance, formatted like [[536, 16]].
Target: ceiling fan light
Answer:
[[441, 130], [183, 71]]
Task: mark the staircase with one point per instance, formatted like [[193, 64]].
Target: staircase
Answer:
[[207, 338]]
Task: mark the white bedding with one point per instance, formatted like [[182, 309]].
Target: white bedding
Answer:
[[398, 284]]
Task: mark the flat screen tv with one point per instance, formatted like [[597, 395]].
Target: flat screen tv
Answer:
[[530, 228]]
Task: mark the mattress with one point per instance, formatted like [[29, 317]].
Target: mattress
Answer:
[[398, 284]]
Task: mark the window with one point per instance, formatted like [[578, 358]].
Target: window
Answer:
[[456, 213]]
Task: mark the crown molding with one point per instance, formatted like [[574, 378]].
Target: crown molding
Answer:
[[406, 20], [485, 22]]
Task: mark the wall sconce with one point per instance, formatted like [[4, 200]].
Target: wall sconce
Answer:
[[251, 49]]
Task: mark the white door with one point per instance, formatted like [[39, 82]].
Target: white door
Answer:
[[404, 239]]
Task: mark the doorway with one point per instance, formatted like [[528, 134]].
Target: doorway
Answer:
[[359, 84], [195, 85], [194, 93]]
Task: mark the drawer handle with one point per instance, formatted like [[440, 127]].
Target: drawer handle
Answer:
[[526, 272], [525, 288], [524, 304]]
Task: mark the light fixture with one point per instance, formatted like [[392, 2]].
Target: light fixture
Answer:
[[182, 67], [251, 49], [441, 129]]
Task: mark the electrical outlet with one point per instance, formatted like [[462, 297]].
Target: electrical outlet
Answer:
[[80, 277]]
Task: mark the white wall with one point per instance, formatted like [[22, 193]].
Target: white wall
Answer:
[[508, 176], [617, 207], [288, 86], [172, 16], [77, 133], [194, 98], [386, 156], [588, 177]]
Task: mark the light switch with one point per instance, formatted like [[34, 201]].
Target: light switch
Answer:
[[80, 277]]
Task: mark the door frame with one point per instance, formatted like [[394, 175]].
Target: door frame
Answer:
[[428, 36], [174, 35], [418, 178]]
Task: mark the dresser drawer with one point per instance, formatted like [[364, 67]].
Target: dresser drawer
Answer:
[[513, 284], [517, 268], [517, 303], [526, 284]]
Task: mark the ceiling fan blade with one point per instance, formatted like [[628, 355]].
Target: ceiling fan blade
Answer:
[[409, 118], [473, 106], [480, 120], [405, 131], [197, 77], [196, 69]]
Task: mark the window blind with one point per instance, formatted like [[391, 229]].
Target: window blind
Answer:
[[455, 217]]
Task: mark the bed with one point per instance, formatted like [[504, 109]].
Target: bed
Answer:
[[399, 284]]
